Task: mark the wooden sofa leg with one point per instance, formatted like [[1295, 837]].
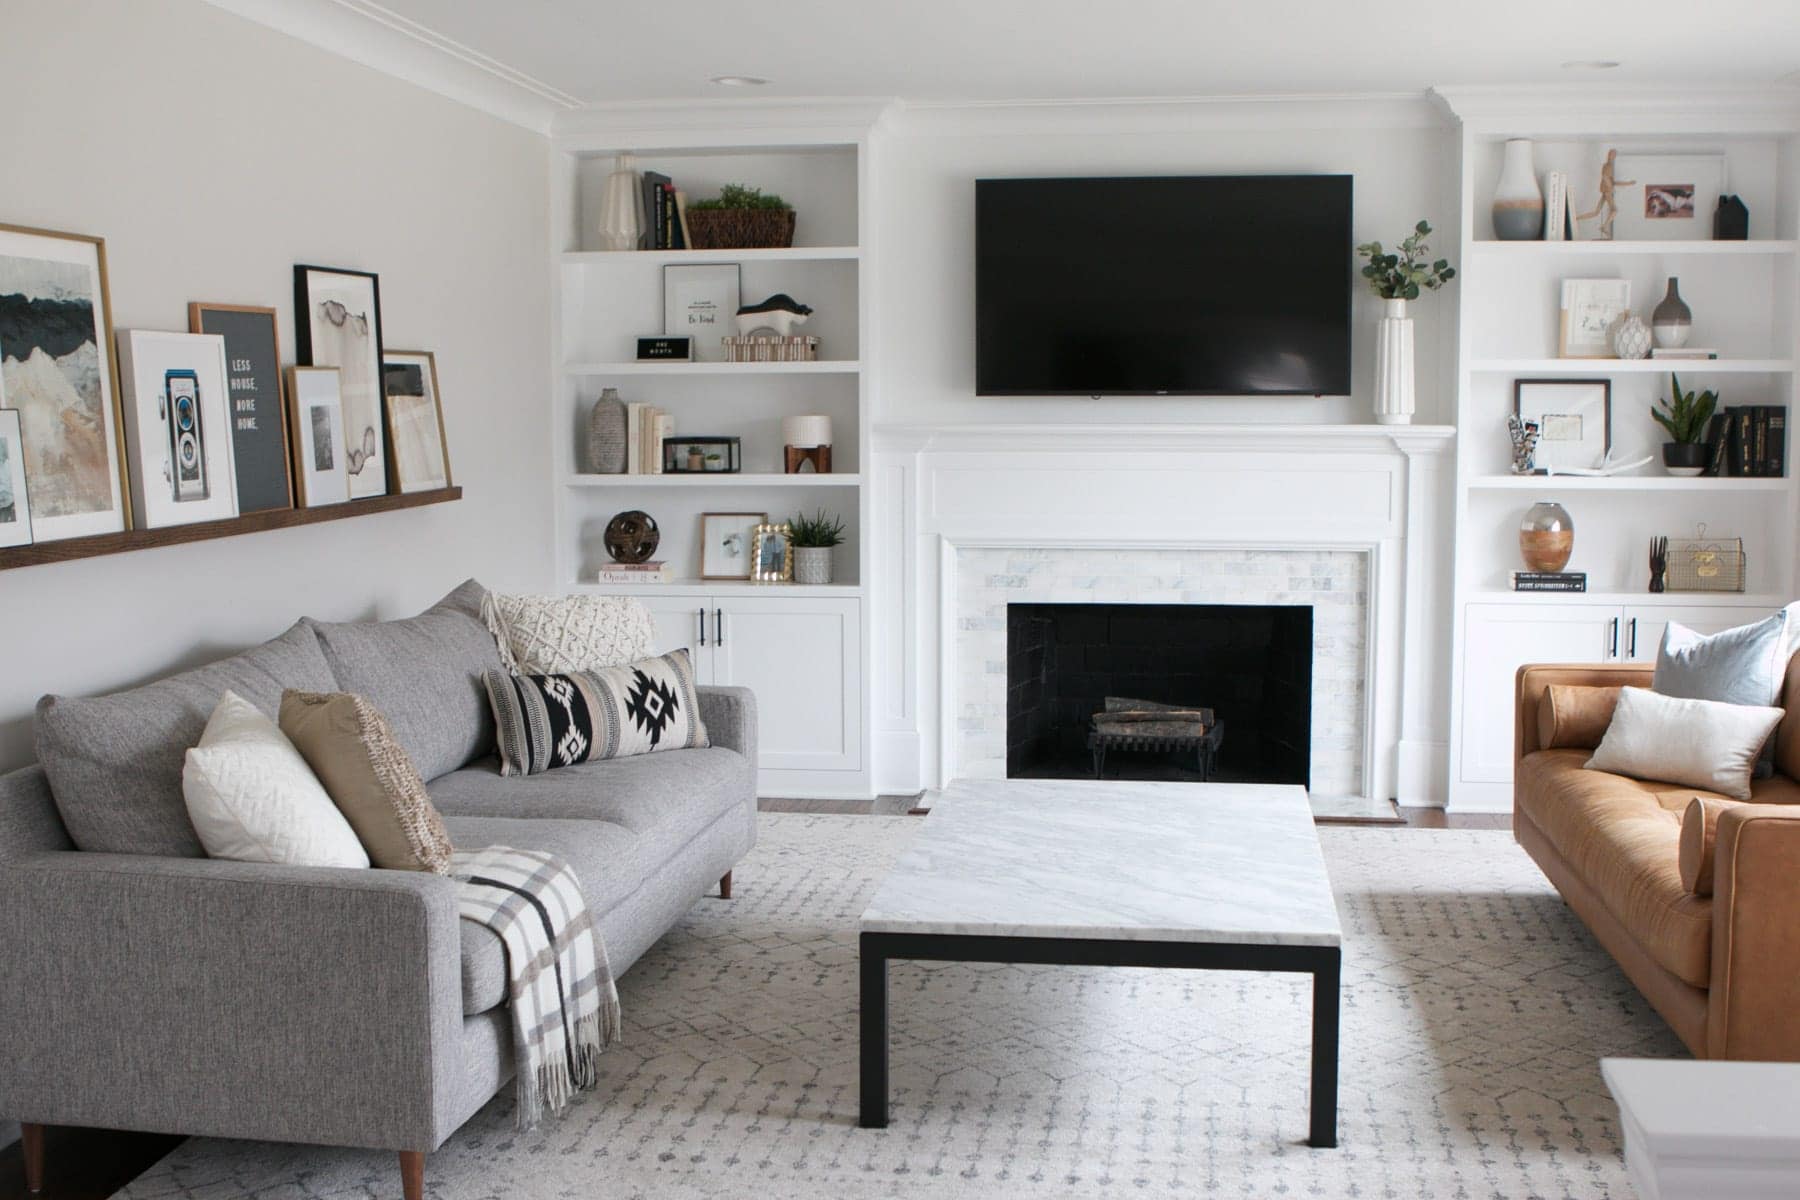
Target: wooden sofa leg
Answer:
[[412, 1174], [725, 886], [31, 1141]]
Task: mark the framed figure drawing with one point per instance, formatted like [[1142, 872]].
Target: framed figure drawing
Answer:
[[726, 543], [1574, 420], [15, 502], [57, 371], [177, 427], [317, 419], [701, 302], [337, 319], [1590, 309], [258, 418], [416, 441]]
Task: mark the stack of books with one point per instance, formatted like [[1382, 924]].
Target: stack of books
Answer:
[[1748, 440], [1559, 224], [665, 214], [1684, 353], [645, 428], [655, 571], [1549, 581]]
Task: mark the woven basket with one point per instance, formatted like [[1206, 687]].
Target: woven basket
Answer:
[[741, 228]]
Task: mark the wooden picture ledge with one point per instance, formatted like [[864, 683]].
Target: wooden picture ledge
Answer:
[[174, 535]]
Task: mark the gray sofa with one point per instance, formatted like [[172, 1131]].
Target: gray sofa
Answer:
[[144, 986]]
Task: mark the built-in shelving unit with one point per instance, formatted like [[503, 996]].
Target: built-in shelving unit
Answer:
[[1745, 297]]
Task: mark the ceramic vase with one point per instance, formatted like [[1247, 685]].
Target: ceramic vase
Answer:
[[1672, 320], [1546, 537], [812, 564], [1518, 201], [606, 435], [1394, 399], [1631, 337], [622, 208]]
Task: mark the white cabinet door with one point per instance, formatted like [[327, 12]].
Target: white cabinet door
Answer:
[[1498, 640], [1644, 624], [684, 622], [803, 659]]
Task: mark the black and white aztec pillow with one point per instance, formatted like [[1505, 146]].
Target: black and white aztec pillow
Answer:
[[547, 721]]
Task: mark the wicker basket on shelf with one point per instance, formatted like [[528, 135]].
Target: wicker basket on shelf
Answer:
[[741, 228]]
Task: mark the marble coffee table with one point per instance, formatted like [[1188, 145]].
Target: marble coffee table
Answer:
[[1208, 876]]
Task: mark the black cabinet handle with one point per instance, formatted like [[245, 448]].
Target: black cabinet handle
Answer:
[[1613, 652], [718, 626], [1631, 639], [703, 627]]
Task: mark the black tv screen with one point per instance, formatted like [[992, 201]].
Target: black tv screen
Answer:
[[1227, 285]]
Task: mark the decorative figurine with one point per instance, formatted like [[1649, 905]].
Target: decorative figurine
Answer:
[[632, 536], [1631, 337], [1659, 564], [780, 315], [1608, 203]]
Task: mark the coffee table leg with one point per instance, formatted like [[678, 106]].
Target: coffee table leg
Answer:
[[874, 1035], [1324, 1051]]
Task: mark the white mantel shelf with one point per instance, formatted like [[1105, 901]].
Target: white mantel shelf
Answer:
[[1324, 439]]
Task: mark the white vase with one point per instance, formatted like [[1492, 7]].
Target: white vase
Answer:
[[812, 564], [1518, 201], [1394, 400], [622, 207]]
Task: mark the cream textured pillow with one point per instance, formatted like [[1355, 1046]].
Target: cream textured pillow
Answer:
[[552, 635], [252, 797], [1701, 743]]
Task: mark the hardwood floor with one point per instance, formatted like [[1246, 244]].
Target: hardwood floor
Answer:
[[91, 1164]]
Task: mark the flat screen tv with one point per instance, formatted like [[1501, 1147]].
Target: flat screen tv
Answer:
[[1225, 285]]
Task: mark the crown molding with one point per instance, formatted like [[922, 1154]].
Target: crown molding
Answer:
[[1624, 109], [684, 124], [369, 34]]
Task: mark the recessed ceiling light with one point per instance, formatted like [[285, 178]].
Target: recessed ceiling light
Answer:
[[1590, 64], [738, 80]]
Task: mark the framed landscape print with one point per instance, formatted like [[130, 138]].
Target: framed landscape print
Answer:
[[317, 418], [1667, 197], [337, 319], [701, 302], [177, 427], [1590, 309], [258, 417], [726, 543], [416, 441], [57, 371], [15, 503], [1574, 420]]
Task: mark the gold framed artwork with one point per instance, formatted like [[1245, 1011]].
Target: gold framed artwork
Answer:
[[58, 371], [15, 502], [418, 450], [321, 474], [728, 543], [772, 553]]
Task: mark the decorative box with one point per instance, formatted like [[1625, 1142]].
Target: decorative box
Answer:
[[766, 347], [1706, 564], [699, 455]]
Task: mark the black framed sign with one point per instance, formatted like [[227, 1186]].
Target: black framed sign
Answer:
[[259, 433], [337, 323]]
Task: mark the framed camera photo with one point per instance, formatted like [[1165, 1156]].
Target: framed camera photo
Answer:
[[1574, 420], [177, 427]]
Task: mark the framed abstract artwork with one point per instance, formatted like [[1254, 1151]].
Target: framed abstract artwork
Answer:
[[15, 501], [317, 418], [419, 451], [57, 372], [259, 432], [177, 427], [337, 320]]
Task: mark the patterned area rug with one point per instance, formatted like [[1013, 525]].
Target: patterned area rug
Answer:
[[1476, 1009]]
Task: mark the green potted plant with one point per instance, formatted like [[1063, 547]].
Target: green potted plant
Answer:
[[1685, 417], [1403, 274], [741, 218], [813, 540]]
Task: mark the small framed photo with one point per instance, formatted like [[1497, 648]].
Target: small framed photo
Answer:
[[320, 474], [728, 543], [701, 302], [1574, 420], [1667, 197], [337, 317], [259, 436], [773, 554], [1590, 309], [416, 440], [15, 505], [177, 427]]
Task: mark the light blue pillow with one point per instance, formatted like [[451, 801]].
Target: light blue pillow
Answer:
[[1745, 665]]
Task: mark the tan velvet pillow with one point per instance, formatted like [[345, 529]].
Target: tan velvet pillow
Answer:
[[1574, 716], [352, 749], [1699, 829]]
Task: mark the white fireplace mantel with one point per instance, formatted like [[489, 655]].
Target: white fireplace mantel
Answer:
[[1381, 491]]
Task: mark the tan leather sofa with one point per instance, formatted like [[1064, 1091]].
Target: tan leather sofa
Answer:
[[1722, 969]]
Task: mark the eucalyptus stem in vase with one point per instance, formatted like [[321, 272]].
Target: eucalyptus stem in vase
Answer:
[[1398, 276]]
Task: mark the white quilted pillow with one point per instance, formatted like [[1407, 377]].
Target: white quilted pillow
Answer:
[[553, 635], [252, 797]]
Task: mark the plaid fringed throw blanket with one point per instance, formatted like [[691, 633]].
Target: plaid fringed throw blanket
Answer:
[[565, 1009]]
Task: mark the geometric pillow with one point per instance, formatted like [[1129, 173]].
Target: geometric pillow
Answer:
[[547, 721], [551, 635]]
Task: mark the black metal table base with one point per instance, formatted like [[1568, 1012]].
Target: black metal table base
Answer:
[[1323, 963]]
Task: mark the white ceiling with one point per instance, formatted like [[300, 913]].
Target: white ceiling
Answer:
[[940, 50]]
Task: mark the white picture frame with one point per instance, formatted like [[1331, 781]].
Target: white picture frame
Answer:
[[1574, 420], [15, 498], [321, 473], [700, 301], [1590, 309], [1666, 197], [727, 541], [178, 440]]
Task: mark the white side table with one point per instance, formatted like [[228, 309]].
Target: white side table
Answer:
[[1708, 1130]]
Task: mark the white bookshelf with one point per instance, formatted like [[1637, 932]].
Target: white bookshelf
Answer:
[[1744, 296]]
